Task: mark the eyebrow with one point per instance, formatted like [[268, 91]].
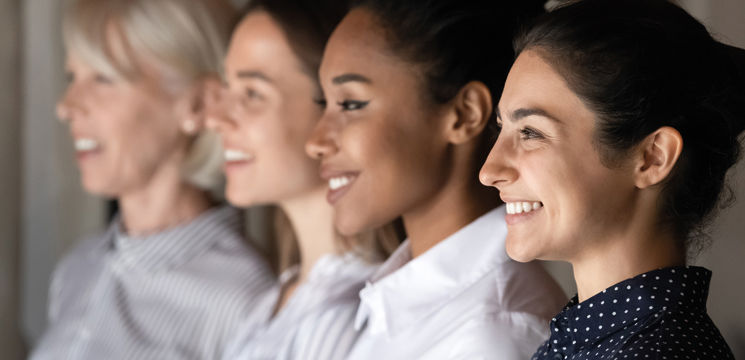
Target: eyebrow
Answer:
[[522, 113], [345, 78], [251, 74]]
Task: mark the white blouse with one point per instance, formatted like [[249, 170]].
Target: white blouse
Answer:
[[317, 322], [462, 299]]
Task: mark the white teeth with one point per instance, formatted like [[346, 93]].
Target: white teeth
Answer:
[[522, 207], [236, 155], [339, 182], [85, 144]]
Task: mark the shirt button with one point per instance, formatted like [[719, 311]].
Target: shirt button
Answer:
[[558, 357]]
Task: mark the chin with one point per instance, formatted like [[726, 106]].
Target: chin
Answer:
[[347, 226], [517, 251]]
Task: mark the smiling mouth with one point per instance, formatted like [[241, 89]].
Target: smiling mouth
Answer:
[[86, 145], [522, 207], [338, 186]]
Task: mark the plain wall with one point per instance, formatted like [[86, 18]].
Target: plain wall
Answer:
[[11, 346]]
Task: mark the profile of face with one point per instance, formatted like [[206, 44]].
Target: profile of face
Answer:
[[561, 200], [125, 132], [265, 115], [380, 138]]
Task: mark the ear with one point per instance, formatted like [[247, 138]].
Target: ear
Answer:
[[657, 156], [472, 110], [194, 104]]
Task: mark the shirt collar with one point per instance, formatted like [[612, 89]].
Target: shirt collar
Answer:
[[582, 325], [334, 278], [177, 245], [404, 290]]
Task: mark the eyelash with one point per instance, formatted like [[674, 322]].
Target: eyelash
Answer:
[[320, 102], [252, 94], [528, 133], [352, 105]]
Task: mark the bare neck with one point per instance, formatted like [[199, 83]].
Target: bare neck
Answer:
[[312, 221], [162, 203], [643, 247], [460, 202]]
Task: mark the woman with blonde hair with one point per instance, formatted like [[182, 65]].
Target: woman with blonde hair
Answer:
[[172, 277], [264, 117]]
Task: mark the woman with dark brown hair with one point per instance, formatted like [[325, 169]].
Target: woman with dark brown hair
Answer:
[[620, 120]]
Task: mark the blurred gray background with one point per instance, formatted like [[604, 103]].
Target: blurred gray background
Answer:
[[43, 210]]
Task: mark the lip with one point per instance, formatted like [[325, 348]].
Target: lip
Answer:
[[86, 155], [514, 219], [333, 196], [235, 165]]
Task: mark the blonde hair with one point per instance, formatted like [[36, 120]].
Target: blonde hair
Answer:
[[185, 39]]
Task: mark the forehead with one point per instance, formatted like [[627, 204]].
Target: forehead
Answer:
[[258, 40], [534, 83], [357, 44]]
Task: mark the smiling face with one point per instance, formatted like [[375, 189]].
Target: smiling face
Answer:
[[545, 161], [265, 115], [380, 138], [125, 132]]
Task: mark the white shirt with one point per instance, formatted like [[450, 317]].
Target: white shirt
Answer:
[[178, 294], [462, 299], [317, 322]]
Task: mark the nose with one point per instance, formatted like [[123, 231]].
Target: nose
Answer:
[[323, 140], [217, 110], [69, 105], [498, 170]]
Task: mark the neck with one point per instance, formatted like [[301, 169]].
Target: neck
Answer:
[[312, 220], [164, 202], [642, 249], [458, 204]]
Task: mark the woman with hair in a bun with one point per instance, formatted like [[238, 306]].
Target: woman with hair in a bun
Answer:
[[409, 90], [620, 119]]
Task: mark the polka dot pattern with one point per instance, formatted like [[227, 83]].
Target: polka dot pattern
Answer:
[[657, 315]]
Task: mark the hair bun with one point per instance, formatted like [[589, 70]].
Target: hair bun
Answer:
[[737, 58]]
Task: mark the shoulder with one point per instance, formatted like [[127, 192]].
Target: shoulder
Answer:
[[678, 332], [489, 338], [529, 289], [328, 333], [82, 258]]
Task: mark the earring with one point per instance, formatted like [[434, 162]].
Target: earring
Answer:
[[189, 126]]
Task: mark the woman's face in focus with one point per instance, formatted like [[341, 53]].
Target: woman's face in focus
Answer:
[[380, 139], [125, 132], [265, 115], [561, 200]]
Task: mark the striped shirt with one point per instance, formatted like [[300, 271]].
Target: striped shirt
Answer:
[[178, 294], [317, 322]]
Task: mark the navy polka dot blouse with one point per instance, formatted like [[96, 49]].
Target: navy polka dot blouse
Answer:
[[657, 315]]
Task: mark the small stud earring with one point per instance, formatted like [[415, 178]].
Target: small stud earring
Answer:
[[189, 126]]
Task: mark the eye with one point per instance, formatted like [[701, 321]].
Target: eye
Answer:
[[69, 77], [102, 79], [351, 105], [528, 133], [252, 94], [321, 102]]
